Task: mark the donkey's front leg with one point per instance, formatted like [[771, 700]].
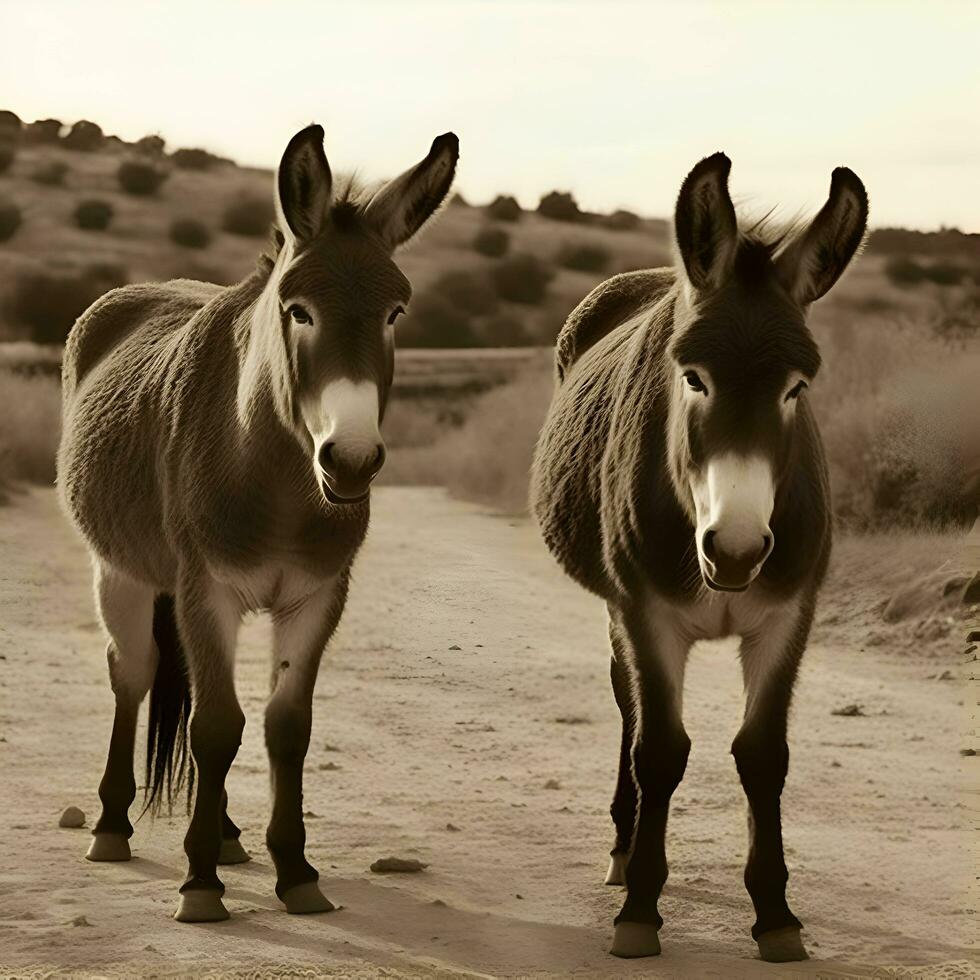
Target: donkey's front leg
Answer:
[[300, 633], [658, 655], [208, 616], [770, 659]]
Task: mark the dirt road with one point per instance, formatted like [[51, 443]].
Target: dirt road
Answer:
[[464, 717]]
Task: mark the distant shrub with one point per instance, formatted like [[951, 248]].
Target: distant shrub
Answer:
[[30, 426], [945, 273], [190, 233], [468, 291], [52, 173], [560, 206], [492, 242], [44, 131], [904, 271], [504, 208], [250, 216], [522, 278], [10, 125], [150, 146], [620, 220], [193, 158], [458, 201], [48, 303], [140, 177], [84, 136], [10, 219], [8, 153], [506, 330], [434, 321], [583, 257], [93, 215]]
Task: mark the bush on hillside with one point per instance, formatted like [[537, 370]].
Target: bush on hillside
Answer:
[[44, 131], [10, 219], [150, 146], [506, 330], [190, 233], [504, 208], [8, 153], [52, 173], [140, 177], [456, 200], [11, 126], [620, 220], [84, 136], [47, 303], [904, 271], [522, 278], [193, 158], [250, 216], [945, 273], [491, 242], [470, 292], [583, 257], [560, 206], [93, 215], [434, 321]]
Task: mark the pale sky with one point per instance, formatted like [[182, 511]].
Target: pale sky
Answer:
[[614, 101]]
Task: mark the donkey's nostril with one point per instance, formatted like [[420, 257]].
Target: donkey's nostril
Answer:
[[766, 547], [379, 459], [708, 545], [326, 457]]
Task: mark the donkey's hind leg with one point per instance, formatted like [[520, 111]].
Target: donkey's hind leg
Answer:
[[126, 607], [300, 635], [770, 659], [623, 809], [658, 655]]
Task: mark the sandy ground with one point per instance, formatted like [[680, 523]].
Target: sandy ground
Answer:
[[466, 677]]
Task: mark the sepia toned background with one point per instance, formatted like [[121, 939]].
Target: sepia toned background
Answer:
[[463, 713]]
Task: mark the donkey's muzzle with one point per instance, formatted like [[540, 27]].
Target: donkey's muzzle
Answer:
[[347, 471], [731, 565]]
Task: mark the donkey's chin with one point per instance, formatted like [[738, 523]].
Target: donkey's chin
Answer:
[[341, 500]]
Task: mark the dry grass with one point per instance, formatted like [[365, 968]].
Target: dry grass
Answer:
[[30, 427]]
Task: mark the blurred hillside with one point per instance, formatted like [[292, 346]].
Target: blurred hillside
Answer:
[[80, 213]]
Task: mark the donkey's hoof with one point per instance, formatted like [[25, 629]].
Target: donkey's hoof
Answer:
[[201, 906], [232, 852], [782, 945], [108, 847], [616, 875], [632, 939], [305, 899]]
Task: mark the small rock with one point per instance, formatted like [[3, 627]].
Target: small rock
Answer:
[[455, 646], [393, 865], [835, 764], [438, 902], [518, 895], [80, 920], [945, 676], [968, 752], [552, 784], [572, 720], [452, 827], [72, 817], [849, 711], [329, 767]]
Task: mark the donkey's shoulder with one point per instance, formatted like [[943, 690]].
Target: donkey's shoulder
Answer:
[[608, 305], [148, 309]]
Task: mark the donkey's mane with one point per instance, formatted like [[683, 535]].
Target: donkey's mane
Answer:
[[760, 242]]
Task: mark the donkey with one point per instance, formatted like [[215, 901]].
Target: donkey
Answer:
[[680, 477], [218, 450]]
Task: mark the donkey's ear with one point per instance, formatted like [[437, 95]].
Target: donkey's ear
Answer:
[[705, 224], [303, 185], [815, 260], [404, 204]]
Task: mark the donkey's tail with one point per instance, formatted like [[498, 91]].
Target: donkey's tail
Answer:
[[169, 766]]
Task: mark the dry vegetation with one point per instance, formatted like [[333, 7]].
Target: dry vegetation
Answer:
[[897, 397]]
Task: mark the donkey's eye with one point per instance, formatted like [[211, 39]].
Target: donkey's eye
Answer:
[[395, 314], [299, 315], [694, 382], [796, 390]]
